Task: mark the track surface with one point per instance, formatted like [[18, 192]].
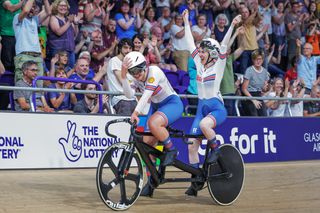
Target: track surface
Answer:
[[269, 187]]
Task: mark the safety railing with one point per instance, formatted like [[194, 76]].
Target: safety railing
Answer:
[[99, 92], [44, 78]]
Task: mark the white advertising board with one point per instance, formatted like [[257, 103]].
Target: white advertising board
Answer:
[[33, 140]]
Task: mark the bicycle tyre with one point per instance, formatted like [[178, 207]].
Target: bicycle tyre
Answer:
[[225, 190], [119, 186]]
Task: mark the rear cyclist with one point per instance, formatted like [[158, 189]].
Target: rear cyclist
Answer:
[[210, 60], [165, 108]]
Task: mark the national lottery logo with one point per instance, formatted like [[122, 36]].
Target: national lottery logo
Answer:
[[84, 142]]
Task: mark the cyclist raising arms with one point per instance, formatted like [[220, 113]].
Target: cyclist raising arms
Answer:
[[166, 106], [210, 60]]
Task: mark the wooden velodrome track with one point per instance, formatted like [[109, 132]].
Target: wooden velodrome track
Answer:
[[269, 187]]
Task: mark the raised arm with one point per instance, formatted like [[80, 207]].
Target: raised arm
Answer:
[[25, 10], [227, 37], [188, 34]]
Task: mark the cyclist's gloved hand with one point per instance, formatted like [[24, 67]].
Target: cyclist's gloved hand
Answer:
[[72, 145], [135, 118]]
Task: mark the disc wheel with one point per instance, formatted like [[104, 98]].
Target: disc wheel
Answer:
[[226, 176], [119, 176]]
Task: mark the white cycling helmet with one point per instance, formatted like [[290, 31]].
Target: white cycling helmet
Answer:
[[211, 46], [138, 62]]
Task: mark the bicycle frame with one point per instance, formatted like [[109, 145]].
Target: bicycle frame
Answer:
[[158, 175]]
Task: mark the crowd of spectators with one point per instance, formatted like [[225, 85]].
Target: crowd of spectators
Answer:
[[274, 52]]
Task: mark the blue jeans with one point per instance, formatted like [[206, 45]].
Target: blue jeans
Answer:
[[245, 61]]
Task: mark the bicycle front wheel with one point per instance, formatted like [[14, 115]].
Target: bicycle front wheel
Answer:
[[120, 176], [226, 176]]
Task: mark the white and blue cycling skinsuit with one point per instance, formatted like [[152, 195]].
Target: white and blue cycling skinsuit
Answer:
[[164, 100], [208, 83]]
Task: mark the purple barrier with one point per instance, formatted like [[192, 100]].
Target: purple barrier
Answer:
[[66, 80], [262, 139]]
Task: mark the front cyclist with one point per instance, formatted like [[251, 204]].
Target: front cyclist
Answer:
[[210, 60], [165, 108]]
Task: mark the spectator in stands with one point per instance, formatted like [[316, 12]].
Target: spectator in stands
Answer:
[[307, 65], [313, 36], [121, 104], [180, 53], [148, 48], [193, 11], [109, 34], [201, 30], [94, 16], [22, 98], [220, 27], [160, 5], [294, 25], [277, 108], [25, 25], [297, 90], [127, 22], [248, 40], [255, 82], [279, 28], [267, 10], [223, 7], [99, 52], [206, 9], [90, 103], [61, 101], [61, 61], [312, 108], [149, 20], [166, 22], [8, 9], [292, 73], [63, 28]]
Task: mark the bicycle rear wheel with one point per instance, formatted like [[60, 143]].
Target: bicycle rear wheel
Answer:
[[119, 176], [226, 176]]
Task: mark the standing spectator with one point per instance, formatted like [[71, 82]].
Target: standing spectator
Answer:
[[90, 103], [272, 61], [201, 30], [121, 104], [62, 31], [22, 98], [294, 23], [160, 5], [193, 11], [220, 28], [25, 25], [127, 22], [147, 48], [180, 53], [99, 52], [307, 65], [279, 29], [61, 101], [166, 23], [206, 9], [149, 19], [8, 9], [109, 34], [255, 81], [94, 17], [267, 9], [223, 7], [277, 108], [248, 40], [313, 36]]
